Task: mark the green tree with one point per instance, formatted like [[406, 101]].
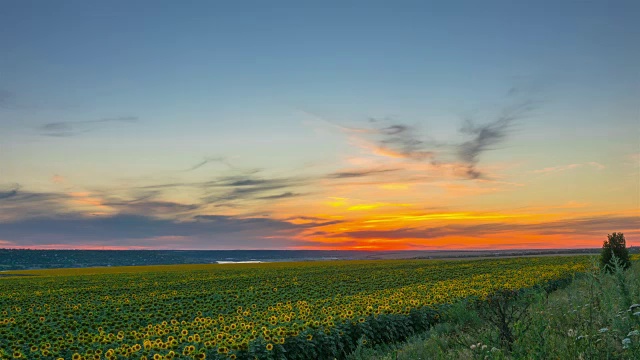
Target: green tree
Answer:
[[615, 245]]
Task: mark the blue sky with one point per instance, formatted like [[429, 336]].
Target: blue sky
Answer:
[[104, 98]]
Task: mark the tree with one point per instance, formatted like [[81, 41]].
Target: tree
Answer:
[[615, 245]]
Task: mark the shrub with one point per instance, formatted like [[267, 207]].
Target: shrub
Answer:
[[508, 312]]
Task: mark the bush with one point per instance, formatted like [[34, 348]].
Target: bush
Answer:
[[508, 311], [614, 246]]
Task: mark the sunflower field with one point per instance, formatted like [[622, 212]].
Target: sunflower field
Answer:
[[310, 310]]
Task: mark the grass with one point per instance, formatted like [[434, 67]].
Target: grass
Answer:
[[594, 317]]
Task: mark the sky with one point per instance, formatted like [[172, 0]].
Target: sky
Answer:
[[362, 125]]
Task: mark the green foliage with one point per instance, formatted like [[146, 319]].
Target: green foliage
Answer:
[[508, 311], [614, 247], [589, 318]]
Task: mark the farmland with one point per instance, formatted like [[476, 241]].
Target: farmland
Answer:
[[276, 310]]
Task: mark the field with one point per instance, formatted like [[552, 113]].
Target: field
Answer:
[[321, 310], [596, 316]]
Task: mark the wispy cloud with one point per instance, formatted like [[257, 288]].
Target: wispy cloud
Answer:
[[561, 168], [284, 195], [17, 203], [72, 128], [393, 139], [152, 207], [358, 173], [251, 187], [486, 136], [402, 140], [389, 138], [209, 160], [10, 191]]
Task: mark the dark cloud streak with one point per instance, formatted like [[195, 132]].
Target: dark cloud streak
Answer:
[[485, 137], [359, 173], [73, 128], [10, 193], [285, 195], [126, 226], [251, 187], [402, 139], [211, 160], [587, 225]]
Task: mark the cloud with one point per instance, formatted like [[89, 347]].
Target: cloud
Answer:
[[210, 160], [359, 173], [16, 203], [203, 231], [560, 168], [77, 215], [484, 137], [407, 233], [593, 225], [251, 187], [312, 221], [72, 128], [154, 207], [285, 195], [13, 194], [9, 192], [171, 185], [392, 139], [403, 139], [306, 218], [587, 225], [238, 191]]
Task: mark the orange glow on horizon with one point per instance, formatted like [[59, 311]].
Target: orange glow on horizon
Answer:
[[457, 231]]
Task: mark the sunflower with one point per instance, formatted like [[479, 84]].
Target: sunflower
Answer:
[[269, 347]]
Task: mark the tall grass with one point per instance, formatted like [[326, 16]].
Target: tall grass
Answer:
[[596, 316]]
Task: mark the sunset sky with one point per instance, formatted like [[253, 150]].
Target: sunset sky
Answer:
[[319, 125]]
